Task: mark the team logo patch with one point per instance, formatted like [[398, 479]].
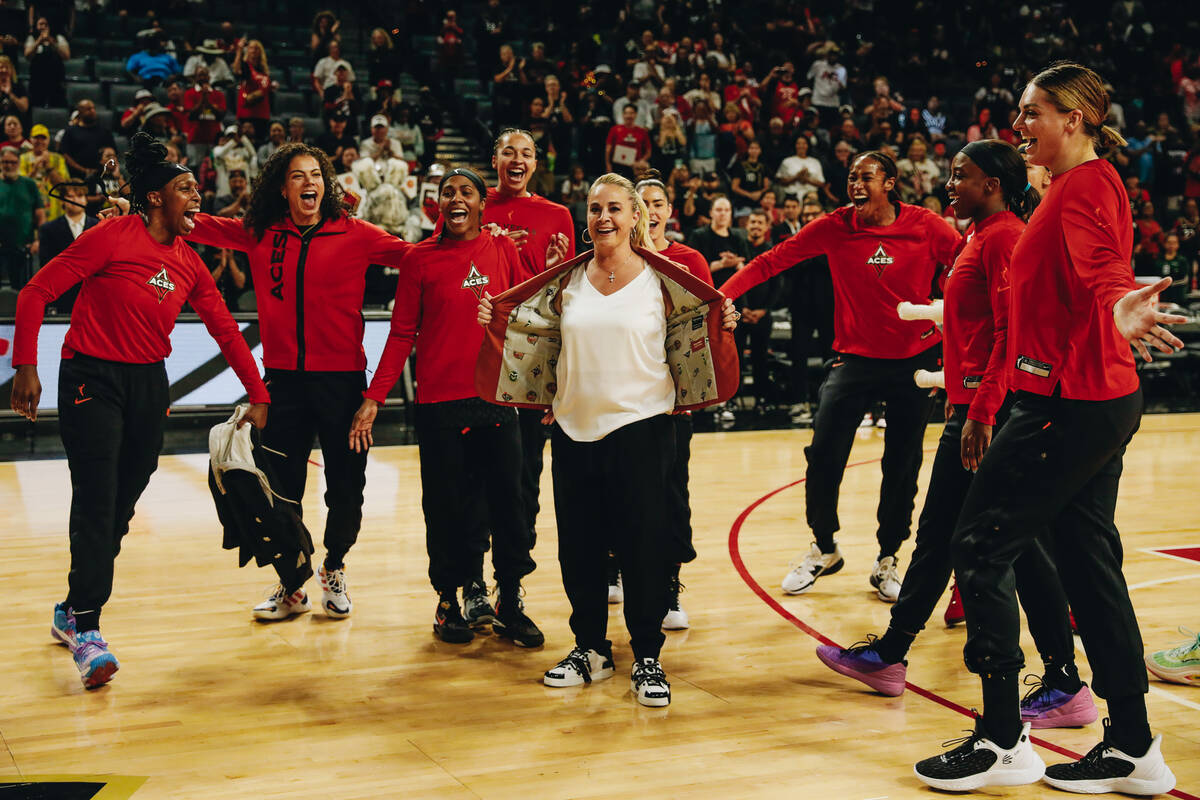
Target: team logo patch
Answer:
[[532, 339], [476, 281], [507, 397], [879, 260], [531, 396], [518, 356], [697, 345], [512, 375], [162, 283], [536, 371]]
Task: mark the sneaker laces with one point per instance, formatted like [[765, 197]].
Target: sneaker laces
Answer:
[[675, 587], [964, 745], [1037, 687], [476, 589], [278, 594], [335, 579], [86, 647], [1192, 643], [648, 673], [859, 647], [578, 660]]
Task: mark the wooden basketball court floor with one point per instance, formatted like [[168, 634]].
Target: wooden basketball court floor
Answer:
[[210, 704]]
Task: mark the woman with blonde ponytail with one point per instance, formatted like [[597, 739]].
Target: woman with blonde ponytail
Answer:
[[613, 441], [1055, 466]]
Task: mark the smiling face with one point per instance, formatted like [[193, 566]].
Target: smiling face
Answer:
[[868, 185], [515, 160], [179, 201], [802, 147], [967, 187], [611, 216], [461, 207], [1044, 129], [304, 189], [658, 211]]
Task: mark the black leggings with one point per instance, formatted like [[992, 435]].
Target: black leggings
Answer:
[[111, 417]]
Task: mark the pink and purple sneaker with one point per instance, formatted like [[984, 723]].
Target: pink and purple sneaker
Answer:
[[861, 662], [1044, 707], [96, 665], [62, 627]]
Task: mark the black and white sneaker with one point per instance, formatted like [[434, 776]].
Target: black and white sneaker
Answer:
[[649, 684], [512, 623], [579, 667], [1107, 769], [977, 762], [477, 609], [676, 619], [802, 576]]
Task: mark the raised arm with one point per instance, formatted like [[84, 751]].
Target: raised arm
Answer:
[[221, 232], [807, 243], [207, 302]]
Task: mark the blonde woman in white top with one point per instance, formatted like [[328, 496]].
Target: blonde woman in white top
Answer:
[[613, 443]]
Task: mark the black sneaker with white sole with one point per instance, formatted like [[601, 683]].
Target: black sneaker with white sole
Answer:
[[977, 762], [1107, 769], [512, 623]]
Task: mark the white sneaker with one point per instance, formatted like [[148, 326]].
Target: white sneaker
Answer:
[[726, 419], [616, 594], [649, 683], [334, 597], [978, 762], [579, 667], [281, 606], [676, 618], [867, 421], [1107, 769], [885, 580], [814, 565]]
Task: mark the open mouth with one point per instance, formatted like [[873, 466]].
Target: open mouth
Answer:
[[515, 174], [654, 224], [189, 219], [308, 197], [1026, 145], [605, 231], [456, 215], [859, 200]]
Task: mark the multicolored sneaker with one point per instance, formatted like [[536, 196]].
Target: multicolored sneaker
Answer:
[[1179, 664], [448, 622], [862, 662], [62, 627], [477, 610], [335, 600], [281, 605], [1045, 707], [1107, 769], [954, 611], [96, 665]]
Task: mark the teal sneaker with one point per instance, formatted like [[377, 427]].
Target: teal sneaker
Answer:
[[96, 665]]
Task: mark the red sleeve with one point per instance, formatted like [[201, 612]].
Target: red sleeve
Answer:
[[806, 243], [221, 232], [643, 144], [515, 269], [406, 320], [381, 246], [191, 99], [86, 256], [217, 100], [207, 302], [943, 240], [1094, 248], [611, 139], [996, 256], [566, 226]]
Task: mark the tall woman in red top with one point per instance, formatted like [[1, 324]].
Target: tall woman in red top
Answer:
[[987, 185], [1056, 463], [658, 210], [881, 252], [470, 450], [309, 263], [137, 273]]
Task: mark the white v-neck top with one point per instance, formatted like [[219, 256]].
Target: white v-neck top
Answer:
[[613, 366]]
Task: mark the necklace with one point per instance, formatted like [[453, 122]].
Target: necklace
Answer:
[[306, 231], [612, 276]]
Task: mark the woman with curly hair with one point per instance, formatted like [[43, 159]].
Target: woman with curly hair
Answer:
[[137, 274], [308, 259]]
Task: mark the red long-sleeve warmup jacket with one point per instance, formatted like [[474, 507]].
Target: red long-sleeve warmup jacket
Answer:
[[133, 289], [692, 259], [975, 317], [436, 298], [309, 288], [1069, 268], [873, 269]]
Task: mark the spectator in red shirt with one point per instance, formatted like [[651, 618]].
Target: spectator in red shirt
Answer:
[[783, 94], [205, 109], [175, 90], [254, 87], [627, 148], [134, 117], [1150, 239]]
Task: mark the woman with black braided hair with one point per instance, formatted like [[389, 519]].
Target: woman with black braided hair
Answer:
[[137, 273]]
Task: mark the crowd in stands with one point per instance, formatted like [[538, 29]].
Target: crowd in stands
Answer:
[[748, 111]]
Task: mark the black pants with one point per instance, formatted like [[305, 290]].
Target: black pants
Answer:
[[320, 404], [851, 386], [15, 264], [1037, 580], [1055, 466], [533, 447], [470, 480], [680, 523], [615, 493], [758, 334], [111, 416], [811, 305]]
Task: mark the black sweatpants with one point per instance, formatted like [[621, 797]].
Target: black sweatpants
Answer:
[[320, 404], [614, 493], [758, 336], [811, 306], [111, 417], [533, 447], [471, 480], [853, 384], [1055, 466], [680, 513], [1037, 581]]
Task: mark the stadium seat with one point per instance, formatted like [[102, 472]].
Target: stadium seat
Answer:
[[53, 118], [111, 71], [290, 103], [300, 78], [313, 127], [120, 95], [85, 91], [78, 69]]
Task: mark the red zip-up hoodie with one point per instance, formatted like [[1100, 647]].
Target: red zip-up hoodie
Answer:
[[689, 257], [975, 317], [1069, 268], [874, 268], [542, 218], [309, 289], [436, 299], [133, 289]]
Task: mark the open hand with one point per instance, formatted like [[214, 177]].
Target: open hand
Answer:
[[556, 251], [1138, 319]]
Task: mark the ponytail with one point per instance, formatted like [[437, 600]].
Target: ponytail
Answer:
[[1110, 138]]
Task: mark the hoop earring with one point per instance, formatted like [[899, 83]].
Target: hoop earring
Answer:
[[583, 237]]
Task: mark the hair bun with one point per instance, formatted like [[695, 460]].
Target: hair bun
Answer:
[[144, 153]]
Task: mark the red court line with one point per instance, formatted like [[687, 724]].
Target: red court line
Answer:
[[735, 556]]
